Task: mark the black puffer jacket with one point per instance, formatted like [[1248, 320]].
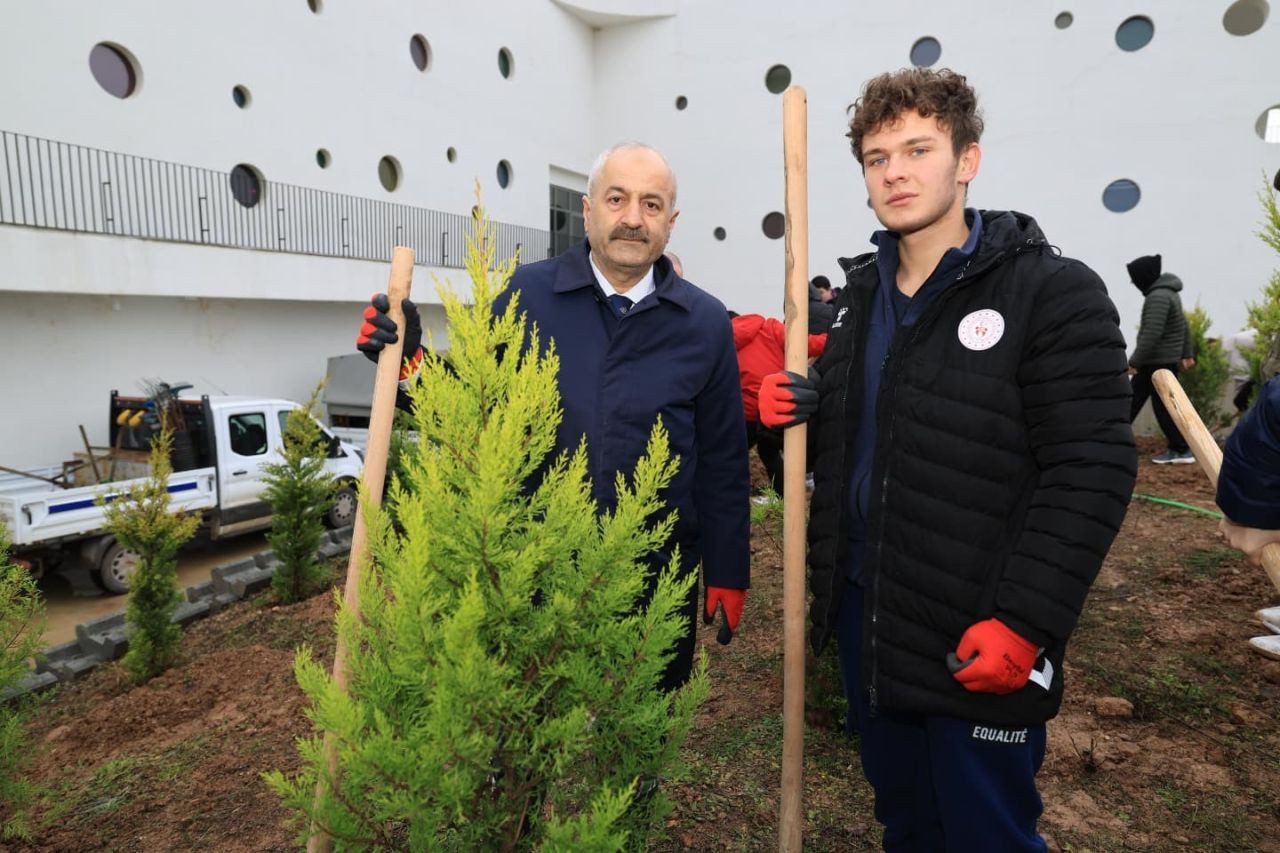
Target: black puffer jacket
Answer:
[[1004, 463]]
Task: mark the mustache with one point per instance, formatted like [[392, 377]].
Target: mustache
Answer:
[[624, 233]]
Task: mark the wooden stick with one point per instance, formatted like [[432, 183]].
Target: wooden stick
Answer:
[[93, 460], [1205, 448], [795, 146], [8, 470], [382, 413]]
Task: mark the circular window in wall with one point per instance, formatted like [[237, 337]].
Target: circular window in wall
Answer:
[[114, 68], [1245, 17], [1268, 124], [1276, 182], [451, 154], [506, 64], [774, 225], [719, 233], [1064, 20], [1121, 196], [1135, 33], [420, 52], [926, 52], [777, 79], [314, 6], [504, 174], [322, 158], [682, 102], [246, 185], [240, 95], [389, 173]]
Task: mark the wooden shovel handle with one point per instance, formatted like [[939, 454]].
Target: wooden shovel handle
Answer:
[[1205, 448], [795, 147], [382, 413]]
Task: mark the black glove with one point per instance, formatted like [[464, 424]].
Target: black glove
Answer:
[[378, 329]]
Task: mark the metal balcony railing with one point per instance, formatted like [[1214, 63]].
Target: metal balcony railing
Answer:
[[50, 184]]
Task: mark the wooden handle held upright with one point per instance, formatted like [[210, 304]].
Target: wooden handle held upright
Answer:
[[795, 145], [1205, 448], [382, 413]]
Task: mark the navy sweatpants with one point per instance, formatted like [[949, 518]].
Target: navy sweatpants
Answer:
[[941, 783]]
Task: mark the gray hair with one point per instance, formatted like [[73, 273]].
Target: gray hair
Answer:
[[598, 166]]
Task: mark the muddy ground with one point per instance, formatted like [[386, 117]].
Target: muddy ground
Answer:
[[176, 765]]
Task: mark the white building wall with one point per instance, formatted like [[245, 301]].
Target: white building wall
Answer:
[[1067, 112]]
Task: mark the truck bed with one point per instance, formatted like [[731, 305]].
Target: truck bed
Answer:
[[41, 513]]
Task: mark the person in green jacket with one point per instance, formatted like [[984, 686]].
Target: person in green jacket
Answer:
[[1164, 342]]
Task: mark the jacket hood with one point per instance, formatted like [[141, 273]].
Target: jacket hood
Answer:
[[1167, 280], [745, 329]]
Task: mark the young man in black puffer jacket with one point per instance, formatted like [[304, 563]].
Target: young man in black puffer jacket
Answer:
[[974, 461]]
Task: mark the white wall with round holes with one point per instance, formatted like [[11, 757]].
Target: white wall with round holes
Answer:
[[1069, 110]]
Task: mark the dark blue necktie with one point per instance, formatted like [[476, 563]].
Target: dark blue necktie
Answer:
[[620, 304]]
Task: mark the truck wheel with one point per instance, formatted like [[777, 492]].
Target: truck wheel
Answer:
[[343, 511], [115, 570]]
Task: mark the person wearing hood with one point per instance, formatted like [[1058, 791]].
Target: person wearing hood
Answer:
[[1164, 343]]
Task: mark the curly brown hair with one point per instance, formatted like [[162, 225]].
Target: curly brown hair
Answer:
[[942, 93]]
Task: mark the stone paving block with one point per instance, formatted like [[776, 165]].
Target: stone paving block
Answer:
[[55, 654], [190, 611], [199, 591], [29, 683], [71, 668], [332, 549], [263, 559], [104, 641]]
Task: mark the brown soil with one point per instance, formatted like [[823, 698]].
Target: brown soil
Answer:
[[176, 765]]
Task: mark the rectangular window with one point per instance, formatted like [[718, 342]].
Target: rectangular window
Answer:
[[567, 227], [248, 434]]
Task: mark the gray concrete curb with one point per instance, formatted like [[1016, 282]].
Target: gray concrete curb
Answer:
[[105, 638]]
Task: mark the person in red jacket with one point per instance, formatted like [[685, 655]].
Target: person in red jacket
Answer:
[[761, 345]]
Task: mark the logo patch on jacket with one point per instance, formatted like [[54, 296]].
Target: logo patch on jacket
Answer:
[[981, 330], [839, 318]]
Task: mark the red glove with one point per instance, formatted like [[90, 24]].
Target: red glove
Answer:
[[731, 600], [992, 658], [787, 398]]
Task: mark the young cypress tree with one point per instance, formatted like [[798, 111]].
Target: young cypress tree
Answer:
[[21, 626], [1264, 316], [141, 521], [300, 491], [504, 675], [1205, 380]]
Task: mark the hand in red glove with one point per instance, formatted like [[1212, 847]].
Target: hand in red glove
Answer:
[[992, 658], [787, 398], [730, 601]]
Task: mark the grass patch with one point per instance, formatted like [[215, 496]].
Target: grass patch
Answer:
[[1208, 562]]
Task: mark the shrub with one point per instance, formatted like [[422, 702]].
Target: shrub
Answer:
[[1205, 381], [21, 626], [300, 491], [1264, 316], [505, 695], [141, 522]]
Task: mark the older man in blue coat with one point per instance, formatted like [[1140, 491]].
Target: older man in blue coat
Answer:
[[637, 342]]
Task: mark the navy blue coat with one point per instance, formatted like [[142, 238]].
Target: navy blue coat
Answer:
[[671, 355], [1249, 482]]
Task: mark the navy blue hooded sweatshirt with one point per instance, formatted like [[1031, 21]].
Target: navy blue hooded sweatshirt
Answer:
[[672, 355], [892, 312]]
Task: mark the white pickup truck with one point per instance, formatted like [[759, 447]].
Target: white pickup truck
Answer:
[[231, 440]]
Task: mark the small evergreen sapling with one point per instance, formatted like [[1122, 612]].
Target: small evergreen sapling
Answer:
[[1205, 380], [505, 693], [1264, 316], [21, 626], [300, 491], [141, 521]]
